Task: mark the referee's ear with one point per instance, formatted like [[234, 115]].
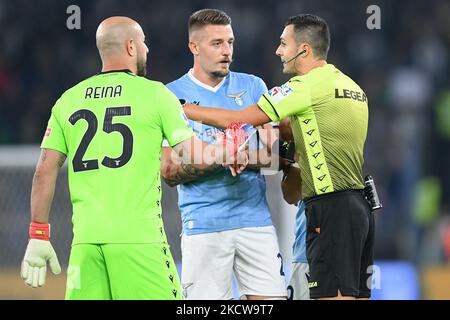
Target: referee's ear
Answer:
[[305, 48]]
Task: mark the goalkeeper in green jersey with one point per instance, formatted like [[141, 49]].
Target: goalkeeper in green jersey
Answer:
[[110, 127]]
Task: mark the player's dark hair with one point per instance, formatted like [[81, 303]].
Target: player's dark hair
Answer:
[[314, 30], [206, 17]]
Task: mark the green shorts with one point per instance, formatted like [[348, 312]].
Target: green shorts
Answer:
[[122, 271]]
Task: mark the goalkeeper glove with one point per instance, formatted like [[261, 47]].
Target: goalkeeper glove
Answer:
[[39, 250]]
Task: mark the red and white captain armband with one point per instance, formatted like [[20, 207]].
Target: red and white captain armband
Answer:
[[40, 231]]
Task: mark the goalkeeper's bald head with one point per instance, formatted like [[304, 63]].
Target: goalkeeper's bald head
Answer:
[[121, 41]]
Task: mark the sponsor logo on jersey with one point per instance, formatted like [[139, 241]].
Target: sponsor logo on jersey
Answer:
[[47, 132], [350, 94], [273, 92], [286, 90], [279, 93], [238, 97]]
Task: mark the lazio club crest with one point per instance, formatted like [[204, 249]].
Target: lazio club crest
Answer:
[[238, 97]]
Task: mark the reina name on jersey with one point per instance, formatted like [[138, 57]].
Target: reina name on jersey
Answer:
[[103, 92]]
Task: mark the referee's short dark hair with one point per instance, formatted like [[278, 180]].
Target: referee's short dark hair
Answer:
[[206, 17], [314, 30]]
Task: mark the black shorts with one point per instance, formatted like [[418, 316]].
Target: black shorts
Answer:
[[339, 244]]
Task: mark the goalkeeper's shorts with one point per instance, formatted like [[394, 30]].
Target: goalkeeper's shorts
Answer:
[[122, 271]]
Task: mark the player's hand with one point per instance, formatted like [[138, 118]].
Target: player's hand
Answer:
[[39, 251], [235, 138], [236, 161], [240, 163], [34, 264]]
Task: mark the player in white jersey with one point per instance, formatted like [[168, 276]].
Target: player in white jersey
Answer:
[[227, 224]]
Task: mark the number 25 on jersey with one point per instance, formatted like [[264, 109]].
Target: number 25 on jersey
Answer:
[[127, 149]]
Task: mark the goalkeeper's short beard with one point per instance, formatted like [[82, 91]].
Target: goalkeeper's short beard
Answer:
[[141, 68]]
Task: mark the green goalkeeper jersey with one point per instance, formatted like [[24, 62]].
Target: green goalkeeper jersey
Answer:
[[111, 127], [329, 118]]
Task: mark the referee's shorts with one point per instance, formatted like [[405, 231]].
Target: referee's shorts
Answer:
[[339, 244]]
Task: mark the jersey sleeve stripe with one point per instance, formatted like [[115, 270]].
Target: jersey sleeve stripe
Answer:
[[271, 106]]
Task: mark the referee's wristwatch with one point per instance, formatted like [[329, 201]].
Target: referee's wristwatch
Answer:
[[183, 102]]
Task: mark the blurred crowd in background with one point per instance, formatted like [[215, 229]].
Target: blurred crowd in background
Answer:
[[403, 68]]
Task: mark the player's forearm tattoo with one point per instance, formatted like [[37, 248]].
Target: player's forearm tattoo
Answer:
[[188, 173], [61, 161], [43, 155]]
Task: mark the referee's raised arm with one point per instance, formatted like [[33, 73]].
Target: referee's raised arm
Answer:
[[222, 118]]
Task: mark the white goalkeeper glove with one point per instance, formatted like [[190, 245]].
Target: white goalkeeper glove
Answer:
[[39, 251]]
